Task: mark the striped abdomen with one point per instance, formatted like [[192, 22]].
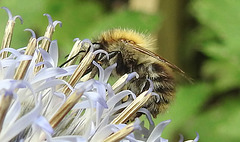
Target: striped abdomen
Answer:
[[163, 83]]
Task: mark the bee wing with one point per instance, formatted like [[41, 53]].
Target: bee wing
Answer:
[[159, 58]]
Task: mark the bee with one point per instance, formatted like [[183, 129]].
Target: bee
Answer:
[[130, 50]]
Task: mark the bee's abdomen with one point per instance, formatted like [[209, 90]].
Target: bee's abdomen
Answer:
[[164, 86], [163, 83]]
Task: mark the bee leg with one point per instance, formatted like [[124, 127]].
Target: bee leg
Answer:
[[126, 97], [70, 58], [100, 59], [94, 71], [112, 54]]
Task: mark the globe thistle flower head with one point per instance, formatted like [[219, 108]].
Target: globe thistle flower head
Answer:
[[40, 101]]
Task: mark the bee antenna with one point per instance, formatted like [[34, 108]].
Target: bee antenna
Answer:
[[71, 58]]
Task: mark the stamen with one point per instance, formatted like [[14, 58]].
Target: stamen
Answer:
[[46, 43], [131, 110], [79, 72], [65, 109], [7, 38], [23, 66], [119, 135]]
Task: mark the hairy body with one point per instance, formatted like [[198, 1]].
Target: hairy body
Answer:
[[130, 50]]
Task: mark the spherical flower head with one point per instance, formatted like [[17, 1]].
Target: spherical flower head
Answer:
[[40, 101]]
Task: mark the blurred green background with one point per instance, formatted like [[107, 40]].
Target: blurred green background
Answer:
[[200, 36]]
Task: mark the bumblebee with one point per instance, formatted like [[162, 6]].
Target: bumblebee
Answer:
[[130, 50]]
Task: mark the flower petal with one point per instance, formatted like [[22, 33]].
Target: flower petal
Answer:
[[21, 123], [46, 73], [181, 138], [108, 72], [104, 133], [12, 114], [197, 138], [148, 114], [11, 50], [69, 139], [1, 70], [44, 124], [119, 96], [46, 56], [53, 51], [95, 97], [49, 84], [82, 105], [100, 71], [157, 131]]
